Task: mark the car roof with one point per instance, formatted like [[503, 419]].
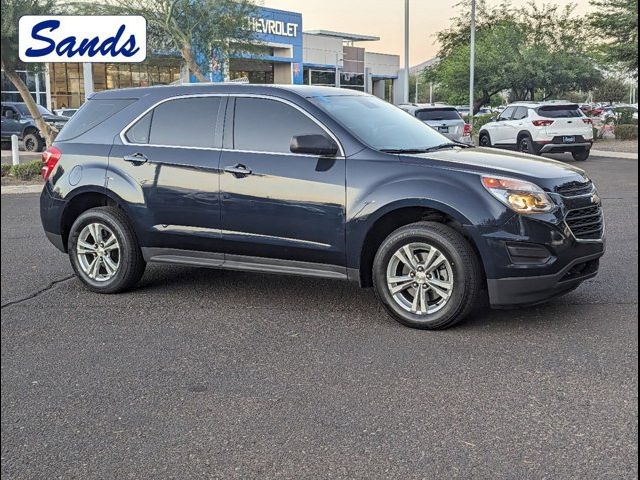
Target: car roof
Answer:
[[535, 105], [426, 106], [305, 91]]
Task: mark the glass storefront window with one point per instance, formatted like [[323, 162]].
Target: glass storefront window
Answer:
[[34, 82], [354, 81]]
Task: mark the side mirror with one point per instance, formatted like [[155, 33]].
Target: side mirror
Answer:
[[314, 145]]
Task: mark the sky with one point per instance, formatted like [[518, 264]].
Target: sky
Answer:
[[385, 18]]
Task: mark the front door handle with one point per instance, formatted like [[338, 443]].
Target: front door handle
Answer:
[[238, 170], [136, 158]]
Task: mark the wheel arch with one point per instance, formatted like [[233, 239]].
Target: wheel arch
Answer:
[[82, 200], [405, 213]]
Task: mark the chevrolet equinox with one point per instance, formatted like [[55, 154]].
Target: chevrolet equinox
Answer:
[[314, 181]]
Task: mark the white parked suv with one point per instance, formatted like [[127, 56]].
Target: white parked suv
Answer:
[[537, 128]]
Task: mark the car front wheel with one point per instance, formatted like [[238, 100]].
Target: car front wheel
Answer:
[[427, 276], [485, 140], [104, 251]]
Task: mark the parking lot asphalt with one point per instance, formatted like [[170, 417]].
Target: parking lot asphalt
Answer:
[[212, 374]]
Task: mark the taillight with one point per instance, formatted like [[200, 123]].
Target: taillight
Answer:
[[50, 158], [543, 123], [468, 129], [588, 121]]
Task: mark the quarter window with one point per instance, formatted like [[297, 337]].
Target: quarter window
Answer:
[[263, 125], [185, 122]]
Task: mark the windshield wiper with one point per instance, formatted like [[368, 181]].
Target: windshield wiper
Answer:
[[444, 146], [406, 150]]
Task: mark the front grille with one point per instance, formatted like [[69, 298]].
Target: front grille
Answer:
[[586, 223], [575, 189]]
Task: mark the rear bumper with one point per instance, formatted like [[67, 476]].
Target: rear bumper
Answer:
[[51, 210], [522, 291], [544, 147]]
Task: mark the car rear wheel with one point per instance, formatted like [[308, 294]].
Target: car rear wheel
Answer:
[[485, 140], [104, 251], [581, 155], [526, 145], [427, 276], [33, 142]]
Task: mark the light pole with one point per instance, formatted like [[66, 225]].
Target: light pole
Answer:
[[472, 65], [406, 52]]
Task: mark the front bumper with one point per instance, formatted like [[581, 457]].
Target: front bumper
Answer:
[[522, 291]]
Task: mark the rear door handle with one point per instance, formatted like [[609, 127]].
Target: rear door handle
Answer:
[[136, 158], [238, 170]]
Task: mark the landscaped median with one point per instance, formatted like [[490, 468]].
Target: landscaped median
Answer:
[[22, 174]]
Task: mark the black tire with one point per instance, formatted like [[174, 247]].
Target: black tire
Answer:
[[526, 145], [581, 155], [485, 140], [131, 262], [33, 142], [465, 265]]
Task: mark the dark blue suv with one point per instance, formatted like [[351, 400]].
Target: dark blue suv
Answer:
[[312, 181]]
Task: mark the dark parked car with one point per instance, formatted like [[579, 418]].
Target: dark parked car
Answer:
[[16, 120], [314, 181]]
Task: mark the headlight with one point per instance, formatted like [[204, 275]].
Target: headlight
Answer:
[[523, 197]]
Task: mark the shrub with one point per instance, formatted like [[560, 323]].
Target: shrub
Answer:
[[481, 121], [27, 171], [6, 168], [626, 132]]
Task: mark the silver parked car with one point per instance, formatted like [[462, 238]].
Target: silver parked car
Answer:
[[444, 119]]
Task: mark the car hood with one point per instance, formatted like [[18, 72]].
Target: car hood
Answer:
[[544, 172]]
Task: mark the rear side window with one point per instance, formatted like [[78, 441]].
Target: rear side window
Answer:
[[92, 114], [185, 122], [560, 111], [438, 114], [521, 113], [268, 125]]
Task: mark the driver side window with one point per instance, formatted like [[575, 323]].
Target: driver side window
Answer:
[[507, 114]]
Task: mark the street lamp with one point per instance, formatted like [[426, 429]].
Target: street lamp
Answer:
[[472, 65], [406, 52]]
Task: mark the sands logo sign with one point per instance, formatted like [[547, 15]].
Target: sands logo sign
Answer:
[[82, 38]]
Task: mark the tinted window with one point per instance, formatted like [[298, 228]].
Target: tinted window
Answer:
[[186, 122], [92, 113], [560, 111], [269, 125], [521, 113], [380, 124], [438, 114], [139, 133], [506, 115]]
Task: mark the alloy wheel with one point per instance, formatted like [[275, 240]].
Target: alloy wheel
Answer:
[[98, 252], [420, 278]]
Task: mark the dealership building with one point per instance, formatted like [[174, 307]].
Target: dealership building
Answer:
[[288, 55]]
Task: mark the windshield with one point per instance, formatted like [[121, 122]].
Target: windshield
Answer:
[[438, 114], [379, 124], [22, 108]]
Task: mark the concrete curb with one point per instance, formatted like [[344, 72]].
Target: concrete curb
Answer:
[[17, 189], [604, 153]]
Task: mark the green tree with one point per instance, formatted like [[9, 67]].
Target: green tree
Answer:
[[196, 29], [615, 22], [12, 10], [611, 90], [535, 52]]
